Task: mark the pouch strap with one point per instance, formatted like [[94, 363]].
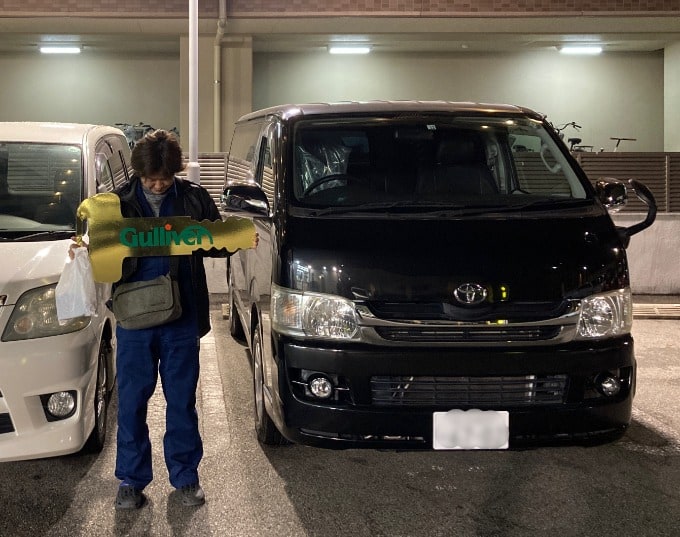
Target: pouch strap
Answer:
[[174, 266]]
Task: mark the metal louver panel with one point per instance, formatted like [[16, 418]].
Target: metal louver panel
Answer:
[[659, 171], [648, 168], [239, 170], [212, 173], [673, 170]]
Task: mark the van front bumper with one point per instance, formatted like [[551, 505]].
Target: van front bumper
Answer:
[[37, 367], [387, 397]]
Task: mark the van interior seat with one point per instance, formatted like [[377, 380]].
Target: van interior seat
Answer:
[[460, 168]]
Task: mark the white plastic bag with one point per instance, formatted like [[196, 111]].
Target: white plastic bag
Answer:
[[75, 294]]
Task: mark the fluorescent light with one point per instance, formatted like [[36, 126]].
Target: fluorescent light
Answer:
[[59, 50], [349, 49], [581, 49]]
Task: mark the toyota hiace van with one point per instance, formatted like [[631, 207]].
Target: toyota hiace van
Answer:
[[429, 275]]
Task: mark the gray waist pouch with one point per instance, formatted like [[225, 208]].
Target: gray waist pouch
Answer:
[[145, 304]]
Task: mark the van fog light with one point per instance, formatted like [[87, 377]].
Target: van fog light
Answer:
[[61, 404], [608, 385], [321, 387]]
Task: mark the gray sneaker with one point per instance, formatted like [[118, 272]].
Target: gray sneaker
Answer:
[[192, 494], [129, 497]]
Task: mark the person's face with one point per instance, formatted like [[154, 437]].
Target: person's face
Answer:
[[157, 184]]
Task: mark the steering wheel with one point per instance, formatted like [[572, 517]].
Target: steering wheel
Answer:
[[327, 179]]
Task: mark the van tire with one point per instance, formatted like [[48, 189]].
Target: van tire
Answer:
[[267, 433], [96, 440]]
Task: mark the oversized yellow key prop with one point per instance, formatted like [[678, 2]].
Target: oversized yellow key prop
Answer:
[[113, 238]]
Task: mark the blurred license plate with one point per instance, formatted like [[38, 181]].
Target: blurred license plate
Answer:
[[471, 429]]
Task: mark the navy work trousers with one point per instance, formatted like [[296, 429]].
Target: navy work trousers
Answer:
[[172, 350]]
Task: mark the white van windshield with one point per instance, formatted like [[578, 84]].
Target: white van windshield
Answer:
[[430, 160], [40, 187]]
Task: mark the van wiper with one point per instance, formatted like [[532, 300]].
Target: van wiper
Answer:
[[368, 207], [535, 205], [449, 209], [383, 205], [54, 234]]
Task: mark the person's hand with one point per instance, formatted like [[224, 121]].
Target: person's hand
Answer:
[[77, 243], [257, 240]]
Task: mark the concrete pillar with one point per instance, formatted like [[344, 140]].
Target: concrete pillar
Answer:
[[671, 97], [205, 92], [237, 83]]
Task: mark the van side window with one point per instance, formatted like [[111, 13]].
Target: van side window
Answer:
[[111, 165], [241, 166], [118, 169], [268, 159], [118, 163], [103, 174]]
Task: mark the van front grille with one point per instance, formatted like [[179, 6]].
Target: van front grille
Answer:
[[476, 392], [445, 334]]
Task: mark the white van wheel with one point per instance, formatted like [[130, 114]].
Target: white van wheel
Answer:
[[95, 443]]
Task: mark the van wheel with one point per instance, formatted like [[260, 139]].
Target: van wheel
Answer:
[[267, 433], [95, 443], [235, 326]]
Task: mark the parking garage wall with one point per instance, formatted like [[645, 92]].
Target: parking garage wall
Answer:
[[585, 90], [91, 88]]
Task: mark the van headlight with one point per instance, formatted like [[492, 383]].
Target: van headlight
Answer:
[[606, 315], [314, 315], [35, 315]]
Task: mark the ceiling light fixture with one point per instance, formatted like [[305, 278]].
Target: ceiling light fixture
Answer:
[[349, 49], [51, 49], [581, 49]]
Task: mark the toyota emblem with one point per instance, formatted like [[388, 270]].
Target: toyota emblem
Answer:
[[470, 294]]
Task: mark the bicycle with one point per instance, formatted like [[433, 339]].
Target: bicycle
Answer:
[[574, 143], [619, 140]]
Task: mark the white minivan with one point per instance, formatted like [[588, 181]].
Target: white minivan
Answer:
[[55, 376]]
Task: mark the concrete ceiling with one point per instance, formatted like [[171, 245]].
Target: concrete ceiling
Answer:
[[462, 34]]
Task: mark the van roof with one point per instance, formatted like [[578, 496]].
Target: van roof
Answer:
[[48, 132], [354, 107]]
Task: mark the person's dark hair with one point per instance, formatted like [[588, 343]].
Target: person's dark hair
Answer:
[[157, 153]]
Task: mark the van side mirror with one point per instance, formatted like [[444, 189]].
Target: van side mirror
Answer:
[[245, 197], [613, 194]]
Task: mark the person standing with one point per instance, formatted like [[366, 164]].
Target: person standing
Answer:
[[170, 349]]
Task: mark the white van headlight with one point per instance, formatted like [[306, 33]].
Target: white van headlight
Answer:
[[606, 315], [35, 315], [314, 315]]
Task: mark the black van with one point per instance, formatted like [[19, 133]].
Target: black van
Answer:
[[429, 275]]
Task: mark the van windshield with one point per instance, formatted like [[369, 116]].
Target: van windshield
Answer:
[[430, 161], [40, 188]]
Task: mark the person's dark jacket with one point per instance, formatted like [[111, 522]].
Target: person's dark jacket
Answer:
[[195, 203]]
